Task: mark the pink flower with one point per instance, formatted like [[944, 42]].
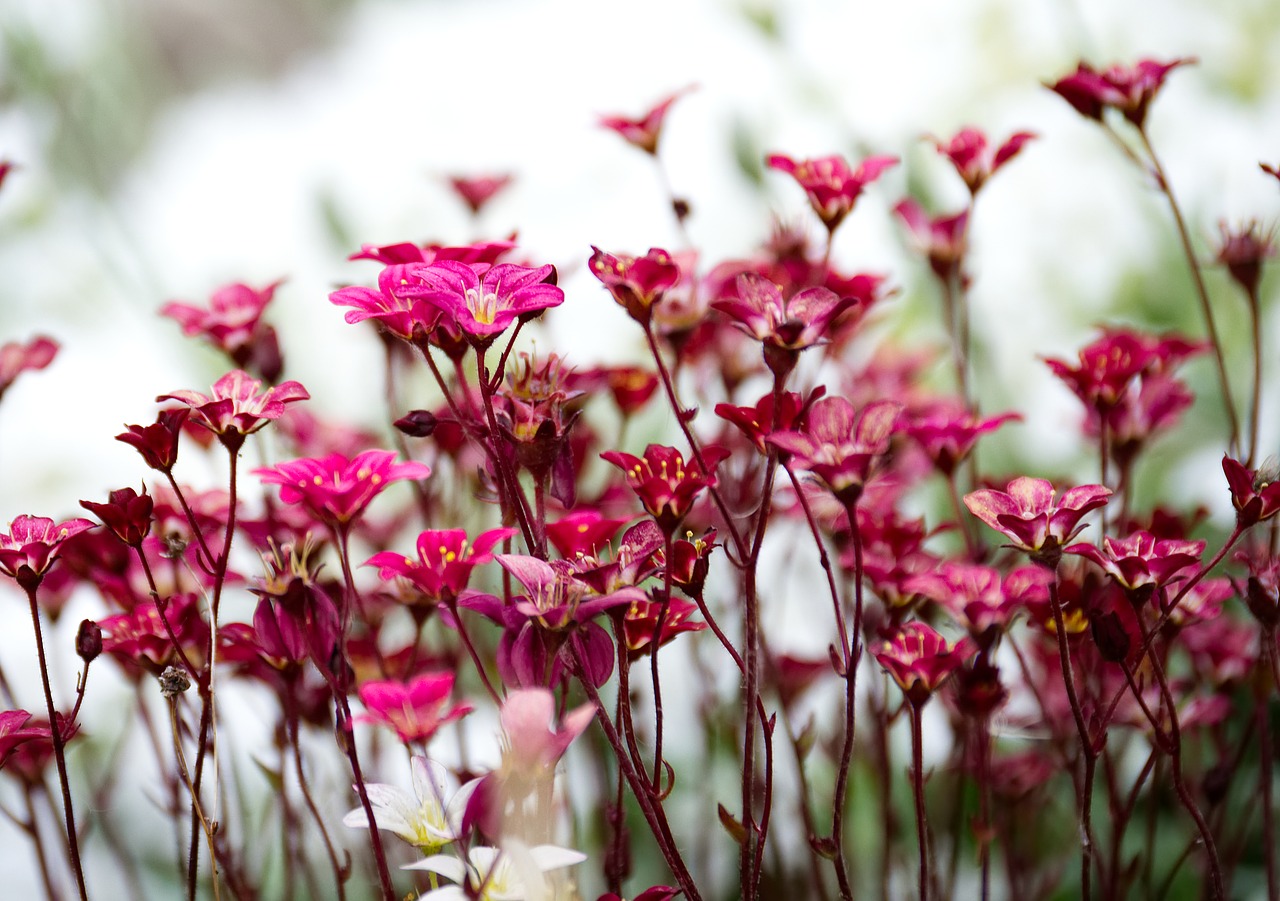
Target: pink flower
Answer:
[[1243, 250], [941, 239], [1254, 493], [533, 743], [645, 131], [414, 709], [832, 187], [406, 252], [666, 485], [636, 283], [792, 324], [482, 300], [973, 157], [476, 191], [235, 408], [1027, 513], [947, 434], [920, 660], [1127, 89], [1109, 365], [1142, 563], [231, 322], [444, 561], [13, 733], [16, 358], [839, 446], [31, 546], [335, 489], [408, 318]]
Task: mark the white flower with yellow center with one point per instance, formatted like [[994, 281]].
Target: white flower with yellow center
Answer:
[[428, 819]]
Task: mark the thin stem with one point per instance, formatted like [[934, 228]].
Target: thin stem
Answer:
[[654, 644], [1255, 402], [1266, 761], [917, 789], [341, 872], [206, 825]]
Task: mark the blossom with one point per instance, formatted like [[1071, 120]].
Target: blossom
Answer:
[[142, 637], [406, 316], [1027, 513], [582, 532], [428, 818], [1109, 365], [1141, 562], [13, 733], [31, 546], [1127, 89], [971, 594], [792, 324], [511, 873], [414, 709], [832, 187], [839, 446], [126, 513], [758, 421], [233, 324], [1254, 493], [645, 131], [476, 191], [920, 660], [941, 238], [666, 485], [17, 358], [636, 283], [336, 489], [483, 300], [444, 561], [1242, 250], [158, 442], [974, 158], [640, 624], [947, 433], [555, 597], [532, 743], [235, 408]]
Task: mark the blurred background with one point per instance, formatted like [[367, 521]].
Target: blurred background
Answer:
[[163, 148]]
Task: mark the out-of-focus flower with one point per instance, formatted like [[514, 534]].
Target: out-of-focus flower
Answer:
[[13, 733], [1142, 563], [832, 187], [513, 872], [1126, 89], [647, 130], [1027, 513], [17, 357], [429, 817], [416, 709], [666, 485], [1243, 250], [336, 490], [532, 743], [784, 326], [233, 324], [920, 660], [477, 190], [482, 300], [839, 446], [30, 546], [940, 238], [975, 159], [636, 283], [444, 562], [758, 421], [947, 433], [142, 639], [235, 408]]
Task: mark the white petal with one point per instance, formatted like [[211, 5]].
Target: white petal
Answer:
[[553, 857], [448, 893], [449, 867]]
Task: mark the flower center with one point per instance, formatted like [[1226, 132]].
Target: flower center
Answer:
[[483, 307]]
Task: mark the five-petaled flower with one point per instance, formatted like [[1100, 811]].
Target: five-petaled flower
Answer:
[[31, 546], [783, 326], [233, 324], [235, 408], [444, 561], [428, 818], [1127, 89], [408, 317], [920, 660], [1028, 514], [482, 300], [1254, 493], [513, 872], [335, 489], [636, 283], [840, 445], [975, 159], [666, 485], [414, 709], [832, 187], [1142, 563], [645, 131]]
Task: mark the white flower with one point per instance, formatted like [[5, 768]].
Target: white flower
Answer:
[[511, 873], [428, 819]]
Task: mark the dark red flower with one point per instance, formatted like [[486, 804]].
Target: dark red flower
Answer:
[[1142, 563], [666, 485], [920, 660], [1255, 493], [1127, 89], [235, 408], [444, 561], [947, 433], [158, 442], [1028, 514], [31, 546], [640, 624], [636, 283], [126, 513], [941, 239], [839, 446]]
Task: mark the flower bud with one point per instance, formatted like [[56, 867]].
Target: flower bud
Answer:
[[88, 640]]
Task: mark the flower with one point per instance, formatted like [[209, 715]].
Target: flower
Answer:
[[414, 709], [1127, 89], [832, 187], [948, 433], [17, 357], [920, 660], [429, 818], [511, 873], [476, 191], [582, 532], [1027, 513], [335, 489], [636, 283], [444, 561], [640, 624], [839, 446], [236, 409], [645, 131], [1109, 366], [408, 317], [483, 300], [31, 546], [1242, 251], [13, 734], [1142, 563], [941, 238], [533, 744], [666, 485], [158, 442], [786, 326], [1255, 493], [974, 158], [971, 594], [233, 324], [126, 513]]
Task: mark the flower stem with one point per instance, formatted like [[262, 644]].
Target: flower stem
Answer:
[[917, 789]]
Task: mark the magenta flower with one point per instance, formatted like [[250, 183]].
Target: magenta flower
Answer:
[[482, 300], [335, 489], [645, 131], [790, 325], [666, 485], [1142, 563], [1109, 365], [1127, 89], [444, 561], [1243, 250], [947, 434], [636, 283], [476, 191], [31, 546], [533, 744], [13, 733], [839, 446], [405, 252], [235, 408], [414, 709], [974, 159], [556, 598], [1254, 493], [231, 318], [920, 660], [407, 317], [941, 239], [832, 187], [1027, 513], [756, 422], [582, 533], [17, 358]]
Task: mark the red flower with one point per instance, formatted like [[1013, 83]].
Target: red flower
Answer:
[[31, 546], [126, 513], [16, 358], [335, 489], [416, 709], [13, 734], [1110, 364], [839, 446], [1027, 513], [758, 421], [1243, 250], [645, 131], [636, 283], [973, 157], [158, 443], [832, 187], [582, 533], [640, 624], [476, 191], [1128, 89], [920, 660], [665, 484], [236, 409], [482, 300], [232, 322], [947, 434], [1142, 563], [941, 239], [140, 638], [444, 561], [1254, 493]]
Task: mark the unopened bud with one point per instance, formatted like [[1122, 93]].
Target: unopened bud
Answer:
[[89, 640]]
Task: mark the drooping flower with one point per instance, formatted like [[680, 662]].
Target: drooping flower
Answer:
[[428, 818], [832, 187], [645, 131], [481, 300], [477, 190], [975, 159], [920, 660], [17, 357], [840, 446], [1027, 513], [513, 872], [1126, 89], [414, 709], [636, 283], [1255, 493], [666, 485], [445, 558], [30, 546], [235, 408], [336, 490]]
